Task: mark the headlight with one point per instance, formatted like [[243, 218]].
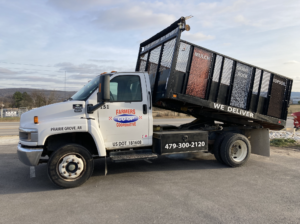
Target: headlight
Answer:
[[28, 134]]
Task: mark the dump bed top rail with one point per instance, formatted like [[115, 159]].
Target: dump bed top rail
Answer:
[[185, 77]]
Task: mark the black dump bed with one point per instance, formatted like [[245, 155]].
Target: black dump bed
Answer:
[[191, 79]]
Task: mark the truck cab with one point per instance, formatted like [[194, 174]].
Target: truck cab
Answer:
[[123, 121]]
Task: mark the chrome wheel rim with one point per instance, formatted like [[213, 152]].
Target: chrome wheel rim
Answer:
[[238, 151], [71, 166]]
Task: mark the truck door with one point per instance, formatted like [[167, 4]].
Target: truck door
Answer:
[[124, 120]]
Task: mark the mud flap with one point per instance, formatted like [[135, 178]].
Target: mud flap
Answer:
[[260, 142]]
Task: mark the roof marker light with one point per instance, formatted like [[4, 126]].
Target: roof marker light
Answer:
[[36, 119]]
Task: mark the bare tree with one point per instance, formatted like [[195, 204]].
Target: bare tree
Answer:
[[7, 101], [38, 98], [52, 98]]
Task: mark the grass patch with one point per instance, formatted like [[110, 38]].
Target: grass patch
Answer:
[[293, 108], [279, 142], [9, 119]]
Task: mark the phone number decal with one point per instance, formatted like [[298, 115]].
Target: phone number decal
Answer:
[[184, 145]]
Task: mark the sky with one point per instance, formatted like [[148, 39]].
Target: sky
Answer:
[[41, 41]]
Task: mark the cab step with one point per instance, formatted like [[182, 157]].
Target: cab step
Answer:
[[132, 155]]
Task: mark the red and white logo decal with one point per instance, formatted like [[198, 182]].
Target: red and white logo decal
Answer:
[[126, 118]]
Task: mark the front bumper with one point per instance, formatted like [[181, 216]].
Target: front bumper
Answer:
[[29, 156]]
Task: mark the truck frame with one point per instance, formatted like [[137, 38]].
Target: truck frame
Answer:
[[234, 105]]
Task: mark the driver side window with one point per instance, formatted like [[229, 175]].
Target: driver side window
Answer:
[[126, 88]]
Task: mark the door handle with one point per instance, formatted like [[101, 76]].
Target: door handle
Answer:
[[150, 100], [144, 108]]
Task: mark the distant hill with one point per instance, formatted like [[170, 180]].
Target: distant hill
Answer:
[[60, 94], [295, 95]]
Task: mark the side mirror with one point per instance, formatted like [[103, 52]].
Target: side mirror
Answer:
[[103, 94]]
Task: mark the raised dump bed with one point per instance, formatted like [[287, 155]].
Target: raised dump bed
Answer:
[[208, 85]]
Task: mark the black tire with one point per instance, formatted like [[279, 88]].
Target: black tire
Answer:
[[235, 150], [217, 143], [59, 155]]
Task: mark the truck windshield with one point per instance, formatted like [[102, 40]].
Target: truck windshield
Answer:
[[87, 90]]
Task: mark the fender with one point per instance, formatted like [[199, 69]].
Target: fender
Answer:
[[90, 126], [93, 127], [60, 126]]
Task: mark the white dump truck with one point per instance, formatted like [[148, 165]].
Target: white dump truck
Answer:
[[234, 105]]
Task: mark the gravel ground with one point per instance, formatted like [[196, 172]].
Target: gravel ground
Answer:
[[183, 189]]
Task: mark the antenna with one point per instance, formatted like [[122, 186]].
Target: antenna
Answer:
[[188, 17]]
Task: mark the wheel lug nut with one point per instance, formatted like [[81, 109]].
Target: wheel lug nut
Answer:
[[77, 162], [75, 173], [64, 172], [63, 166], [72, 160], [78, 168]]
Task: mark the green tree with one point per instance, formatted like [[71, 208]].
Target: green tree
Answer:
[[17, 98], [298, 102], [26, 100]]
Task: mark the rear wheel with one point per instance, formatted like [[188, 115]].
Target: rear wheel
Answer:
[[235, 150], [217, 144], [70, 166]]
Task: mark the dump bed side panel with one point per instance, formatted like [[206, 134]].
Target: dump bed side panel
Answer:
[[158, 56], [178, 67], [221, 79]]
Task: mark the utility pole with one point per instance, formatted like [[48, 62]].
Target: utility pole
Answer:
[[65, 83], [2, 105]]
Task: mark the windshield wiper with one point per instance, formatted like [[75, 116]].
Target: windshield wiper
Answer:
[[68, 99]]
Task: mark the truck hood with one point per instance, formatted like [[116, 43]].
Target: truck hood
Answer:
[[58, 112]]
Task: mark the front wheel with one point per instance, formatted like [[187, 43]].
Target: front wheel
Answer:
[[70, 166], [235, 150]]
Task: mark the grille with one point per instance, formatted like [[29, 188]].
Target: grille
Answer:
[[227, 70], [241, 86], [167, 55], [201, 64], [153, 63], [183, 57], [265, 84], [153, 60], [217, 69], [277, 96], [143, 62], [256, 81]]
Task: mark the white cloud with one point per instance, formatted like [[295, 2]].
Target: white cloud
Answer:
[[5, 71], [129, 18], [194, 37], [82, 68], [101, 60], [79, 5], [240, 19], [291, 62], [82, 71]]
